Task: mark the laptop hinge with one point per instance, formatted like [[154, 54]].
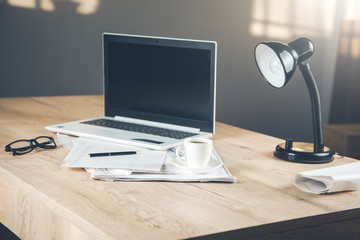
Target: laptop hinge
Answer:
[[157, 124]]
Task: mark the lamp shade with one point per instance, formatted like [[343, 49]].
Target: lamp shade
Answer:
[[276, 62]]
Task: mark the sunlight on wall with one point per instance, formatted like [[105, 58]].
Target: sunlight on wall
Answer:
[[350, 30], [47, 5], [352, 11], [84, 7], [23, 3], [283, 19], [87, 6]]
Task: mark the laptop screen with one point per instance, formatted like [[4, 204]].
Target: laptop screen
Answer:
[[160, 79]]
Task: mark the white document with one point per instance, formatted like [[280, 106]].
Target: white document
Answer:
[[169, 172], [146, 160], [66, 141], [332, 179]]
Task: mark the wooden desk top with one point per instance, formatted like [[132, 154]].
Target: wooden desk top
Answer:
[[41, 200]]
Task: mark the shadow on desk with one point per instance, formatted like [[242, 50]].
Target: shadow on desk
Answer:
[[342, 225], [6, 234]]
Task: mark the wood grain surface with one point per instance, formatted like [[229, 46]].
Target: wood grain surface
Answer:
[[41, 200]]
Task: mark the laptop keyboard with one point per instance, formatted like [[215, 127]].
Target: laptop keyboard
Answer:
[[139, 128]]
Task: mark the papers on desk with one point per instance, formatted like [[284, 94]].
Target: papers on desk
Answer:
[[148, 166], [78, 157], [332, 179], [169, 172]]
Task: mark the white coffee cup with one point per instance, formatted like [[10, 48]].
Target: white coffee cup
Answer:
[[197, 152]]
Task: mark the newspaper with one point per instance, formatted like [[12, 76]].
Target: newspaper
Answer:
[[168, 171], [345, 177]]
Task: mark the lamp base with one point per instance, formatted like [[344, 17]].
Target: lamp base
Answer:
[[301, 152]]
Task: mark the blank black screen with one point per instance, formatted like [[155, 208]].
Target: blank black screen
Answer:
[[154, 80]]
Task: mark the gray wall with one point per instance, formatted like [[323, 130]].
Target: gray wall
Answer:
[[54, 48]]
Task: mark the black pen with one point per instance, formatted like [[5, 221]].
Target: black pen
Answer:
[[107, 154]]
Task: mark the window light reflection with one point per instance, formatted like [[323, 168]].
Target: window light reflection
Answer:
[[350, 30], [283, 19], [47, 5], [23, 3], [85, 7]]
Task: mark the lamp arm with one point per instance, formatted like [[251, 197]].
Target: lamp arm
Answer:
[[315, 106]]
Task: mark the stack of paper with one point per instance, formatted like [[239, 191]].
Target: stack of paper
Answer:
[[78, 156], [149, 165]]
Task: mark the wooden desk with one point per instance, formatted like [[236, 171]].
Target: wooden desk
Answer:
[[41, 200]]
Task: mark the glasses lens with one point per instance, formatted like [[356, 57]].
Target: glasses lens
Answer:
[[21, 147], [45, 142]]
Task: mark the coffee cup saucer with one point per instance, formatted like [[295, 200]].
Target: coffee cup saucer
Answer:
[[212, 164]]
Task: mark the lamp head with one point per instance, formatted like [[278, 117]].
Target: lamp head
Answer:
[[277, 61]]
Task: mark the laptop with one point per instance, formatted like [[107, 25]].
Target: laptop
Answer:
[[157, 91]]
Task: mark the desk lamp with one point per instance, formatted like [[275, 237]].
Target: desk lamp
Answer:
[[277, 63]]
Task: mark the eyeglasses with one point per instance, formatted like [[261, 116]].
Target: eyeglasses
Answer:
[[24, 146]]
